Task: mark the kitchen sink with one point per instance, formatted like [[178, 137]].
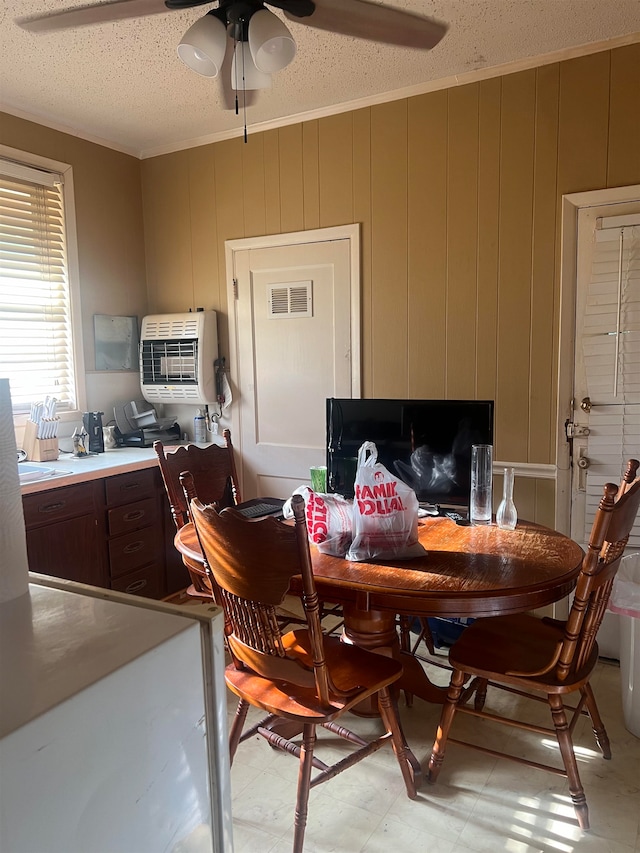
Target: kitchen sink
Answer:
[[29, 472]]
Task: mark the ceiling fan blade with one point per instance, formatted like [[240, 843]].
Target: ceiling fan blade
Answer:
[[296, 8], [371, 21], [101, 13]]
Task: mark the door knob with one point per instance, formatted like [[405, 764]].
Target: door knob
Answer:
[[585, 404], [583, 463]]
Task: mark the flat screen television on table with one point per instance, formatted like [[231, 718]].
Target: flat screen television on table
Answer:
[[427, 443]]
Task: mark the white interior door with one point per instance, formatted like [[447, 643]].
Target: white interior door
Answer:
[[295, 339], [606, 396]]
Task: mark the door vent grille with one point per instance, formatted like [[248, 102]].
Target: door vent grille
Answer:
[[290, 300]]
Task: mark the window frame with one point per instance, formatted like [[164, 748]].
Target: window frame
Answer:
[[36, 161]]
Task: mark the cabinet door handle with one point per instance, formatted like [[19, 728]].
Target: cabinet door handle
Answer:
[[130, 486], [132, 547], [136, 585], [134, 515], [52, 507]]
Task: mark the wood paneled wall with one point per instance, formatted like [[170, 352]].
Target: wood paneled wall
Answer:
[[458, 193], [108, 205]]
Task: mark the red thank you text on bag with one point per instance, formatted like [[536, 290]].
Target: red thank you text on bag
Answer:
[[329, 520], [317, 517]]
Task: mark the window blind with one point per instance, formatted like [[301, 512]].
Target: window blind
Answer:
[[36, 347], [611, 351]]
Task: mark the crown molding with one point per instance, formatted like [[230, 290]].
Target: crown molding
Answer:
[[336, 109]]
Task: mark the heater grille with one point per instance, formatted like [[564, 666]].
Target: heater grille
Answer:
[[169, 327], [173, 361], [177, 355]]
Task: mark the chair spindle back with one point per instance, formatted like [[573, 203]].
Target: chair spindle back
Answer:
[[252, 563], [612, 524], [213, 470]]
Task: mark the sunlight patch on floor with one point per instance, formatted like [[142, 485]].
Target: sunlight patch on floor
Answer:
[[559, 833], [581, 752]]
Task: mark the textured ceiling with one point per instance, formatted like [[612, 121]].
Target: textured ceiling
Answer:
[[123, 84]]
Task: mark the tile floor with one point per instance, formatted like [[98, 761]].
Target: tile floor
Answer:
[[478, 804]]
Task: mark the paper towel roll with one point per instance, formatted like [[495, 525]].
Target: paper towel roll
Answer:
[[14, 567]]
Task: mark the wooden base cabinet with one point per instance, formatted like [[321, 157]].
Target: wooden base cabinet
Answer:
[[66, 534], [113, 532]]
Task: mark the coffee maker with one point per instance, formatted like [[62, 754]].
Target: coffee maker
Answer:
[[92, 422]]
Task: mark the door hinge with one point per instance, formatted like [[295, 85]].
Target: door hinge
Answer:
[[235, 288], [576, 430]]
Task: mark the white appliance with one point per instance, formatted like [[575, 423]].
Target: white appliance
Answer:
[[177, 357], [112, 724]]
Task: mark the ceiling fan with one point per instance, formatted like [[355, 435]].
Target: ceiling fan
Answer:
[[254, 41]]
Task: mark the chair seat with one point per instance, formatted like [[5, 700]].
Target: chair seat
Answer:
[[513, 648], [347, 665]]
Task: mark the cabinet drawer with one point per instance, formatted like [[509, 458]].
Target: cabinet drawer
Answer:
[[126, 488], [135, 549], [123, 519], [59, 504], [143, 581]]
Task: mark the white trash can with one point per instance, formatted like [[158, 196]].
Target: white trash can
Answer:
[[625, 600]]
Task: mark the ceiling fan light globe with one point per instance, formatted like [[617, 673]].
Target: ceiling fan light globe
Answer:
[[253, 77], [271, 44], [203, 46]]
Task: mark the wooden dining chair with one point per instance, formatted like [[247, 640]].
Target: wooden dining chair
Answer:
[[537, 658], [214, 474], [302, 677], [629, 477]]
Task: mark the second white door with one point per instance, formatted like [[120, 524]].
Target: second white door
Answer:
[[606, 391]]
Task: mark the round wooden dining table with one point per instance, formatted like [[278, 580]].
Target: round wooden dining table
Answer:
[[471, 571]]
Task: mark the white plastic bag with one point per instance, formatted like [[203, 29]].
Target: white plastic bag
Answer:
[[385, 513], [329, 520], [625, 595]]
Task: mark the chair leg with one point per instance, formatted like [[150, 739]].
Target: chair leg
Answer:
[[446, 719], [304, 785], [481, 694], [236, 728], [477, 688], [409, 766], [426, 635], [404, 624], [599, 731], [568, 756]]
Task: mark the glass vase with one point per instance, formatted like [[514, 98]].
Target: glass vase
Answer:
[[481, 484], [507, 516]]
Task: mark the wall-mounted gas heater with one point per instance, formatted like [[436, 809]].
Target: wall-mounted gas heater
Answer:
[[177, 354]]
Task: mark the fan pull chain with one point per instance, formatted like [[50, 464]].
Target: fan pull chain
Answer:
[[244, 97], [235, 48], [244, 108]]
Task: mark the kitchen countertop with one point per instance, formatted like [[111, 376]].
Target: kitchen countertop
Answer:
[[69, 470], [63, 641]]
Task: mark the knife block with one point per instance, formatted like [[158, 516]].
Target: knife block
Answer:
[[38, 449]]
